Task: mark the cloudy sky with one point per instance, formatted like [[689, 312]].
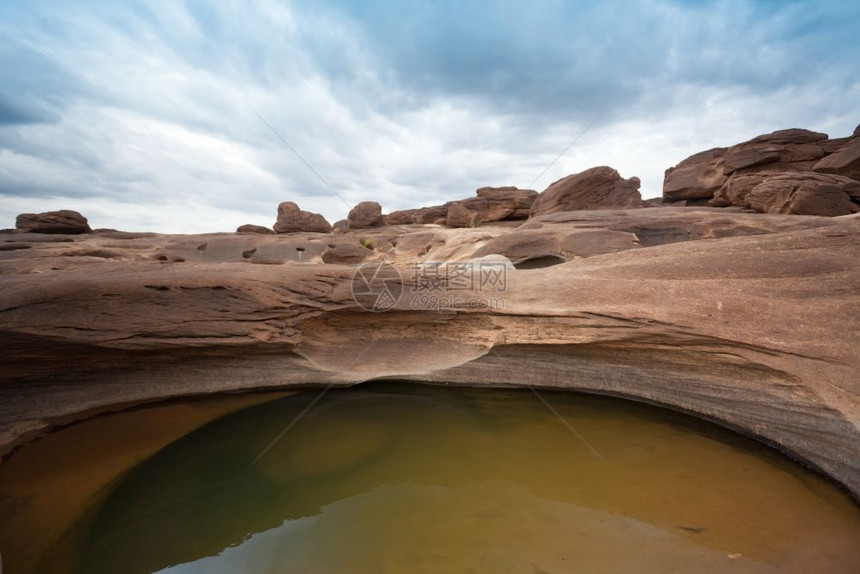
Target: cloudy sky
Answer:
[[153, 115]]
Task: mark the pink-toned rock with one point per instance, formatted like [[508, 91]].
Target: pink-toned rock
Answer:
[[62, 221], [291, 219], [703, 176], [596, 188], [504, 203], [365, 214], [459, 215], [845, 162], [435, 214], [736, 188], [697, 177], [340, 226], [805, 193], [251, 228], [788, 146]]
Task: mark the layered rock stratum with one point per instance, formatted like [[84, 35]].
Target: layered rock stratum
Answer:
[[787, 171], [748, 319]]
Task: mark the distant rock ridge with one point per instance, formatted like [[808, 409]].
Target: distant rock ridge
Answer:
[[790, 171], [793, 171], [62, 221], [291, 219]]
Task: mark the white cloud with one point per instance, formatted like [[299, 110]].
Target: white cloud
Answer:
[[156, 129]]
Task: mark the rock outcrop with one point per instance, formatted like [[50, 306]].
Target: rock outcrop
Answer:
[[291, 219], [251, 228], [64, 221], [596, 188], [805, 193], [365, 214], [727, 176], [435, 214], [459, 215], [845, 162], [490, 204], [642, 308]]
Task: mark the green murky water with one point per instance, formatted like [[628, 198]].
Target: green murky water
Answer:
[[414, 479]]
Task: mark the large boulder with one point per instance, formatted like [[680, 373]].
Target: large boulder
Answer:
[[805, 193], [736, 188], [724, 176], [251, 228], [435, 214], [697, 177], [596, 188], [845, 162], [460, 215], [491, 204], [291, 219], [62, 221], [784, 146], [365, 214], [504, 203]]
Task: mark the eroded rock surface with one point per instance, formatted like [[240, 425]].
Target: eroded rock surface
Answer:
[[805, 193], [365, 214], [748, 319], [291, 219], [58, 222], [251, 228], [596, 188], [727, 176]]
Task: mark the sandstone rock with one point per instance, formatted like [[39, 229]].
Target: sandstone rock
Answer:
[[344, 252], [459, 215], [365, 214], [505, 203], [340, 226], [291, 219], [856, 131], [805, 193], [62, 221], [435, 214], [403, 217], [844, 162], [698, 176], [547, 246], [703, 175], [789, 145], [596, 188], [736, 188], [251, 228], [712, 327]]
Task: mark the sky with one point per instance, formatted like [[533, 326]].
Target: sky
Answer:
[[192, 116]]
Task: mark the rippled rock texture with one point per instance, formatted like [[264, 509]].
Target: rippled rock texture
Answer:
[[743, 318]]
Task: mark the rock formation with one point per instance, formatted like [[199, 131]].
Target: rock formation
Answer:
[[251, 228], [844, 162], [596, 188], [436, 214], [805, 193], [459, 215], [291, 219], [798, 158], [754, 327], [490, 204], [365, 214], [63, 221]]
